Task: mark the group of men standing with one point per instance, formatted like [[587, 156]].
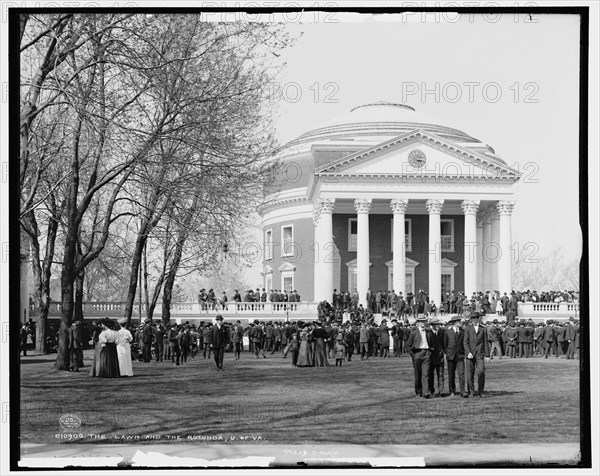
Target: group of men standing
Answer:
[[467, 345]]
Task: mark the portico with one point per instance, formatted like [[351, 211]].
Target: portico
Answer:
[[473, 251]]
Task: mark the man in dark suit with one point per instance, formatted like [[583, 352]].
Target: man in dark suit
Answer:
[[477, 351], [256, 335], [75, 345], [549, 338], [147, 339], [454, 348], [219, 341], [419, 345], [436, 368], [570, 336], [523, 340]]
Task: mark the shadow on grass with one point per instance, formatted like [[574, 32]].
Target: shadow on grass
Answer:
[[29, 361], [501, 393]]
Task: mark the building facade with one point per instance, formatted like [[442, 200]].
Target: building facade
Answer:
[[385, 198]]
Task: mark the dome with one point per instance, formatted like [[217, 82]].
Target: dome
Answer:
[[382, 119]]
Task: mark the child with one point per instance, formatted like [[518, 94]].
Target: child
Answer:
[[340, 350], [294, 347]]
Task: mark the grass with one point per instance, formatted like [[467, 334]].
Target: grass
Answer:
[[268, 401]]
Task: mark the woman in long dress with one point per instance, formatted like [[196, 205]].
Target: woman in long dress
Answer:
[[124, 337], [109, 362], [98, 348], [320, 336], [305, 352]]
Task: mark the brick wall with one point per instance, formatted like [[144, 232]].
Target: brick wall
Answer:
[[380, 229]]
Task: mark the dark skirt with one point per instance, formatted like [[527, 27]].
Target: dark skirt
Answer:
[[109, 361]]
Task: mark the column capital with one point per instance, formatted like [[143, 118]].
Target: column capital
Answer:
[[398, 205], [470, 207], [322, 205], [362, 205], [434, 206], [505, 207], [326, 205]]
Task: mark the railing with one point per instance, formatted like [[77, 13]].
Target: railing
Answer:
[[563, 309], [279, 310]]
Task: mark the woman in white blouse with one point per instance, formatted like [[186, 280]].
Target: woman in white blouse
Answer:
[[124, 349]]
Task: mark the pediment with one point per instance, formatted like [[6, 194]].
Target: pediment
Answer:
[[286, 266], [267, 270], [442, 159], [352, 263], [409, 263], [446, 263]]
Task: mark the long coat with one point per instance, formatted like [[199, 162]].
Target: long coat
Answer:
[[476, 343], [384, 333], [219, 336]]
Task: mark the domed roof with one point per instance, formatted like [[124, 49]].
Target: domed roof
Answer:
[[381, 119]]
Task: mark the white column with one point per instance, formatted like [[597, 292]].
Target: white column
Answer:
[[470, 253], [362, 206], [434, 208], [505, 208], [323, 220], [496, 246], [487, 252], [399, 246], [478, 251]]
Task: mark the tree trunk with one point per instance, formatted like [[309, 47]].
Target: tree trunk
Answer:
[[133, 274], [78, 311], [170, 280], [66, 317], [42, 270]]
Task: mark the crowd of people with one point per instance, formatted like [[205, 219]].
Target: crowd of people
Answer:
[[453, 302], [343, 331], [427, 340], [252, 300]]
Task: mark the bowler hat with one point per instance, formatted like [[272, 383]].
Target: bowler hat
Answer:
[[219, 317], [474, 315], [456, 318]]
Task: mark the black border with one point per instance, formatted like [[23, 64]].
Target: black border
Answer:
[[14, 234]]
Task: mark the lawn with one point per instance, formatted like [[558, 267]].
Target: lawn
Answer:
[[267, 401]]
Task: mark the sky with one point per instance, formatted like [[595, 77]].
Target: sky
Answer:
[[511, 84]]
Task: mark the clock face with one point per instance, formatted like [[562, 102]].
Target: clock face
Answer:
[[417, 159]]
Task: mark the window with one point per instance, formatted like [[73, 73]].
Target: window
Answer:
[[407, 235], [410, 281], [287, 281], [269, 283], [447, 276], [352, 279], [447, 235], [287, 240], [269, 244], [352, 233], [446, 283]]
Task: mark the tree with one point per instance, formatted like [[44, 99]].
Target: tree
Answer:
[[121, 101]]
